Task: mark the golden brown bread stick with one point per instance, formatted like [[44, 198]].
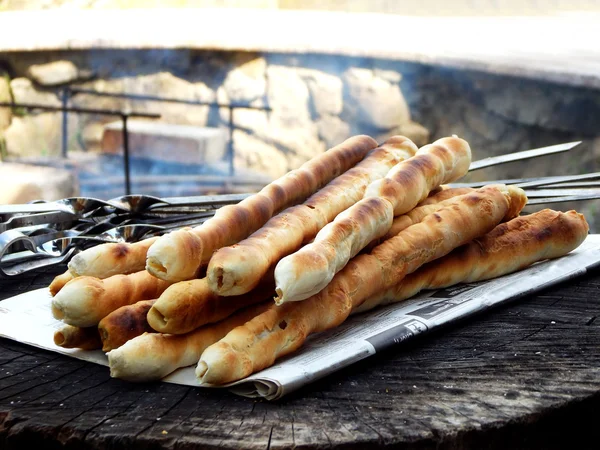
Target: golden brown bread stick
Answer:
[[76, 337], [187, 305], [85, 301], [237, 269], [124, 323], [106, 260], [179, 255], [509, 247], [59, 281], [282, 329], [152, 356], [411, 181], [310, 269]]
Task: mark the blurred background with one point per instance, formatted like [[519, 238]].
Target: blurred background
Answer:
[[224, 96]]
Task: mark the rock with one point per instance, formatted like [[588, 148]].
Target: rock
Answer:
[[5, 113], [54, 73], [254, 154], [246, 82], [167, 142], [389, 75], [374, 101], [22, 183], [288, 96], [92, 136], [325, 91], [290, 125], [412, 130], [24, 91], [166, 85], [333, 130], [39, 134]]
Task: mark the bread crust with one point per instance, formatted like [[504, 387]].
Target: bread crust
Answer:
[[179, 255], [76, 337], [237, 269], [105, 260], [125, 323], [86, 300], [410, 182], [282, 329], [310, 269], [59, 281], [152, 356], [187, 305], [509, 247]]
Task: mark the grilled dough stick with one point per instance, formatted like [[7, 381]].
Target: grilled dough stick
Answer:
[[282, 329], [310, 269], [237, 269], [59, 281], [76, 337], [153, 356], [178, 255], [124, 323], [187, 305], [410, 182], [85, 301], [509, 247], [106, 260], [306, 272]]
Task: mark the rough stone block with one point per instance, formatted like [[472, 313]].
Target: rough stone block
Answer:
[[167, 142], [54, 73], [22, 183], [24, 91]]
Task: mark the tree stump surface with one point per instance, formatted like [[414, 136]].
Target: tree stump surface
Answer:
[[523, 375]]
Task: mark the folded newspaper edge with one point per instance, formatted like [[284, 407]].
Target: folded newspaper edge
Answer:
[[27, 318]]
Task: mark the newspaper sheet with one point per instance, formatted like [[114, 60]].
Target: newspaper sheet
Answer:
[[27, 318]]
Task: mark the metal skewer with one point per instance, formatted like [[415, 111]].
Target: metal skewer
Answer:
[[526, 154]]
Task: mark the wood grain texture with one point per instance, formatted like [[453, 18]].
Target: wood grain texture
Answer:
[[524, 375]]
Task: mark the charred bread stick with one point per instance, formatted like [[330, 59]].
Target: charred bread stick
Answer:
[[282, 329], [237, 269], [124, 323], [179, 255], [509, 247], [76, 337], [85, 301], [152, 356]]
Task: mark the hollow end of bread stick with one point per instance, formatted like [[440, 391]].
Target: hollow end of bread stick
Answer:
[[154, 266], [157, 319], [201, 370], [279, 296], [59, 338]]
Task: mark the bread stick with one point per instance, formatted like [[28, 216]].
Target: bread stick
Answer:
[[282, 329], [310, 269], [238, 269], [76, 337], [509, 247], [124, 323], [106, 260], [411, 181], [179, 255], [59, 281], [84, 301], [187, 305], [152, 356]]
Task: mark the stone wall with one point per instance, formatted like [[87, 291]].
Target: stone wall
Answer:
[[316, 102]]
